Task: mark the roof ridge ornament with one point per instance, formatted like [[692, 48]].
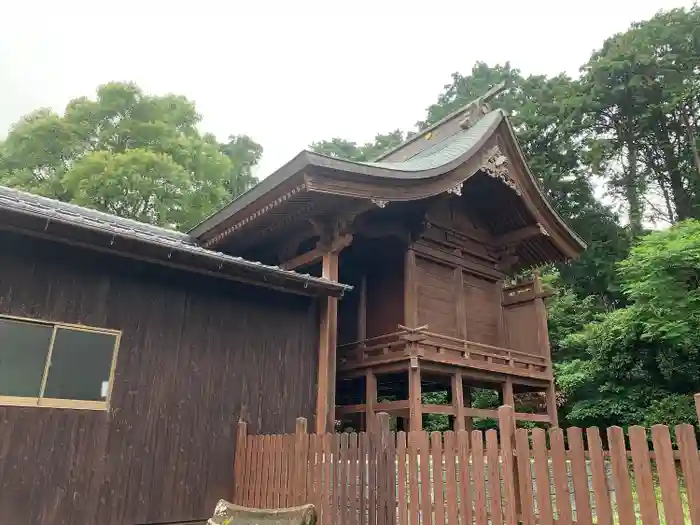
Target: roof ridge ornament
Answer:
[[495, 164], [480, 107]]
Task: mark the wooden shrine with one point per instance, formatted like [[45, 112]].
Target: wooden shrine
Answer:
[[430, 237]]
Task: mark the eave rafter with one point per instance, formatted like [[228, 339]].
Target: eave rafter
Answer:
[[255, 215], [515, 237]]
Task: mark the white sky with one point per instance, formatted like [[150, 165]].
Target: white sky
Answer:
[[289, 73]]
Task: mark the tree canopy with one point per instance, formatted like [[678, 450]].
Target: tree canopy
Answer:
[[125, 152]]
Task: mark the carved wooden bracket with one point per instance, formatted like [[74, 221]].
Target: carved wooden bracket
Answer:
[[334, 236], [331, 228], [507, 258], [495, 165], [456, 190], [380, 203]]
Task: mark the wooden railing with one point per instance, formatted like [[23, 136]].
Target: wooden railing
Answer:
[[420, 342], [497, 477]]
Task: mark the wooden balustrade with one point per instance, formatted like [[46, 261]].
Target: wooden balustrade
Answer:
[[440, 348]]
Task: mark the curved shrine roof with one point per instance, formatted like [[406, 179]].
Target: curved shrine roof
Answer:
[[420, 170]]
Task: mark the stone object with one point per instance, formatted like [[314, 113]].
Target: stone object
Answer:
[[227, 513]]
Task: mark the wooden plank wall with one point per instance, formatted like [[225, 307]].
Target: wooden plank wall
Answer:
[[493, 477], [458, 285], [456, 303], [196, 355], [437, 297], [520, 322]]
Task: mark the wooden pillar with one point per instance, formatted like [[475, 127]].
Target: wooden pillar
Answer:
[[362, 310], [508, 395], [410, 297], [458, 400], [541, 310], [552, 404], [370, 400], [415, 404], [460, 305], [325, 399], [239, 466]]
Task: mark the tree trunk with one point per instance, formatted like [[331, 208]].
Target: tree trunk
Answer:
[[632, 189], [681, 200], [667, 202], [692, 140]]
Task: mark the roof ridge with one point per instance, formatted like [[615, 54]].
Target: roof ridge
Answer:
[[471, 105], [6, 191]]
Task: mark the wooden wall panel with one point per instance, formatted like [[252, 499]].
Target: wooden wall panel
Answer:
[[385, 290], [521, 325], [196, 355], [482, 305], [436, 295]]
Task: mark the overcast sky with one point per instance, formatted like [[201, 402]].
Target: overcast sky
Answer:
[[289, 73]]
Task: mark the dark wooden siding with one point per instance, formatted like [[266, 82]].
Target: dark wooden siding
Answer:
[[196, 355], [458, 284], [385, 289], [521, 322], [436, 294], [482, 305]]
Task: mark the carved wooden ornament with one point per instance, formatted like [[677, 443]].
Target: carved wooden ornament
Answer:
[[495, 164]]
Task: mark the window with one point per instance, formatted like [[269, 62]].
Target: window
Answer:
[[56, 365]]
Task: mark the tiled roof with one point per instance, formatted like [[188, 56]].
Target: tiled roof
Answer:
[[81, 217]]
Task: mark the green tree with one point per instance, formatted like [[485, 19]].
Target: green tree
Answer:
[[130, 153], [641, 363], [344, 149], [641, 105], [244, 153]]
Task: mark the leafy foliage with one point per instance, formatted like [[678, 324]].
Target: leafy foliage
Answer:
[[344, 149], [136, 155], [640, 97], [641, 363]]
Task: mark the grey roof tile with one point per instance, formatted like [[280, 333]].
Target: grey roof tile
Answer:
[[79, 216]]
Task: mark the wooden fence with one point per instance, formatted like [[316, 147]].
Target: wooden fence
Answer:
[[499, 477]]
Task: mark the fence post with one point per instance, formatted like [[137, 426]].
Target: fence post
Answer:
[[506, 427], [386, 473], [239, 462], [301, 438]]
